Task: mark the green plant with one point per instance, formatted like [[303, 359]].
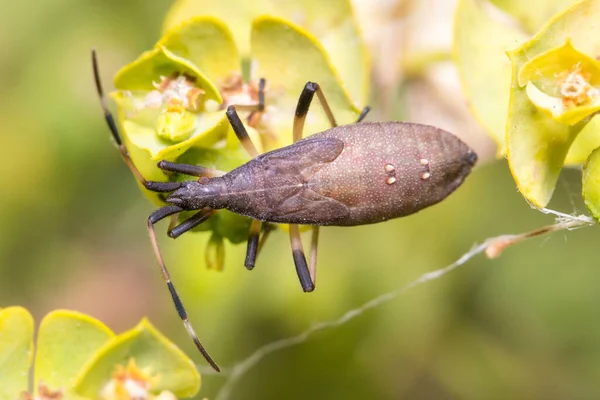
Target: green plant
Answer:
[[172, 99], [78, 357], [540, 103]]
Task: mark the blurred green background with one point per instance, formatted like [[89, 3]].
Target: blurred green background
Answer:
[[524, 326]]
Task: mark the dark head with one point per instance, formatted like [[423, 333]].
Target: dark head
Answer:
[[194, 195]]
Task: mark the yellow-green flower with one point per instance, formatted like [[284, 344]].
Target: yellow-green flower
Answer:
[[564, 82], [78, 357], [541, 104], [172, 99]]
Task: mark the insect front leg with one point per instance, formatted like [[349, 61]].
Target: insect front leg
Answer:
[[156, 216], [190, 223]]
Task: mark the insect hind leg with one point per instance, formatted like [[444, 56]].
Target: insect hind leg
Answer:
[[302, 270]]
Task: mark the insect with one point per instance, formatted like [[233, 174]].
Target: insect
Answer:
[[348, 175]]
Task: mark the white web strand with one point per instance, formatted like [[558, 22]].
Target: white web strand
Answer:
[[491, 246]]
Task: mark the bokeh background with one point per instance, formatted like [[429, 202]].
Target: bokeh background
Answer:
[[524, 326]]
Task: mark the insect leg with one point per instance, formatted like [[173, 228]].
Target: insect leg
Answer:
[[363, 114], [252, 249], [304, 102], [215, 246], [260, 106], [242, 134], [154, 186], [156, 216], [313, 254], [268, 228], [173, 221], [256, 110], [300, 259], [254, 244], [240, 131], [190, 223], [255, 115], [189, 169]]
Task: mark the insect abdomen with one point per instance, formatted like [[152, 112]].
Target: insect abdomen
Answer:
[[392, 169], [352, 175]]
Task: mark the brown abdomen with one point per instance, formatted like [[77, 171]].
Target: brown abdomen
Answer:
[[392, 169]]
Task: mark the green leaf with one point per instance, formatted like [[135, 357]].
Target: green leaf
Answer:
[[331, 22], [66, 341], [161, 62], [152, 352], [537, 145], [532, 14], [208, 44], [480, 43], [289, 56], [591, 183], [588, 138], [16, 351]]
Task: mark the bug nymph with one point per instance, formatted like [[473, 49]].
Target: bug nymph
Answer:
[[356, 174]]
